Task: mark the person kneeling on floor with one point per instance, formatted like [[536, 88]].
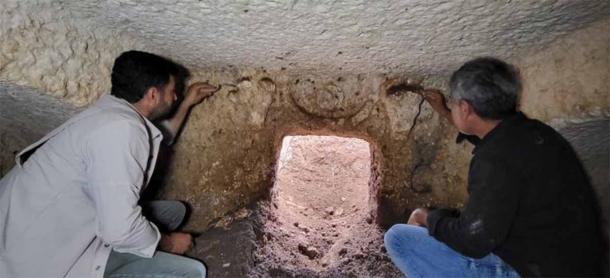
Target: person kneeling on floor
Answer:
[[531, 210], [69, 208]]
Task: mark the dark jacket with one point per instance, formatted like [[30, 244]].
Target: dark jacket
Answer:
[[530, 203]]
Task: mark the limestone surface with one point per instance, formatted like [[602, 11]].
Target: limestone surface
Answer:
[[45, 46], [419, 37], [26, 115], [227, 155], [301, 68]]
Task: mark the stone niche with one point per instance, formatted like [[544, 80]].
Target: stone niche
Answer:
[[227, 155]]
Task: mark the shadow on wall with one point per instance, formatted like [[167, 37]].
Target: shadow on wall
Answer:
[[590, 139]]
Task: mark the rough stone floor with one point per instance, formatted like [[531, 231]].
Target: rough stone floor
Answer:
[[316, 222], [246, 248]]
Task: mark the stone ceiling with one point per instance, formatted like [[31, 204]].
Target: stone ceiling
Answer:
[[421, 37]]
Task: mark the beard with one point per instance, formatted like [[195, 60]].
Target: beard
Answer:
[[162, 110]]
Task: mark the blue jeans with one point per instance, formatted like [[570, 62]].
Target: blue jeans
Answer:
[[417, 254], [167, 215]]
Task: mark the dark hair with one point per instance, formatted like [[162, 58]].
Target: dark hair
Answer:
[[134, 72], [489, 85]]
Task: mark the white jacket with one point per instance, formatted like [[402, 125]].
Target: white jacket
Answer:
[[72, 197]]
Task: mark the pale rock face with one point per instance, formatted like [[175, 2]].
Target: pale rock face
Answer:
[[419, 37], [336, 98], [302, 67], [571, 78], [26, 115], [43, 45]]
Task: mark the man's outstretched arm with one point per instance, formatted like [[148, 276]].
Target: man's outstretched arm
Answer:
[[435, 98], [437, 101], [195, 94]]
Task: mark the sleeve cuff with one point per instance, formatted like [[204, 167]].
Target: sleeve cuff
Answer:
[[146, 252], [435, 216], [149, 251]]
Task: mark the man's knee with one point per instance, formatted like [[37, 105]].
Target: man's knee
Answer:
[[198, 270], [400, 236], [391, 237], [194, 269], [179, 210], [168, 215]]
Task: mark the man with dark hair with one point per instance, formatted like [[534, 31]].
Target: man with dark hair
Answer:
[[531, 209], [69, 208]]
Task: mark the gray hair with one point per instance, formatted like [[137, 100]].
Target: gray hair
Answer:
[[489, 85]]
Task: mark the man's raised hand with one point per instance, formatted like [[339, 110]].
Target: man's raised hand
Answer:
[[198, 91], [419, 217]]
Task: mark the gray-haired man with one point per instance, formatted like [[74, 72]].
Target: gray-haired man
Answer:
[[531, 210]]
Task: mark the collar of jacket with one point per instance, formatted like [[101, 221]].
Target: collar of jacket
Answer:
[[111, 101], [499, 130]]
